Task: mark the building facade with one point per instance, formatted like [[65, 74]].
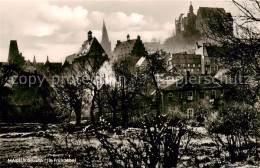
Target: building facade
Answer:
[[195, 26], [188, 93], [186, 62], [128, 53]]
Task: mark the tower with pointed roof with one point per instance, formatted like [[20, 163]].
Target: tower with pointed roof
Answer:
[[105, 43], [34, 59], [191, 8], [14, 57]]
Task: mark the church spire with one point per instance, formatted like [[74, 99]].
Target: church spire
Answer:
[[34, 59], [104, 33], [47, 58], [191, 8], [105, 43]]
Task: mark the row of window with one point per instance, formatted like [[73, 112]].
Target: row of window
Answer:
[[188, 65], [191, 70], [190, 96], [211, 68]]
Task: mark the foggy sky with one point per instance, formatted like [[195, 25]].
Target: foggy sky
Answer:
[[58, 28]]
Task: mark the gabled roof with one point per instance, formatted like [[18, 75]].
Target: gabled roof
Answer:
[[25, 92], [55, 67], [70, 58], [23, 96], [88, 46], [206, 12], [84, 49], [125, 47]]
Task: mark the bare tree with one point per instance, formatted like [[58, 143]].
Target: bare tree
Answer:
[[82, 88], [239, 53]]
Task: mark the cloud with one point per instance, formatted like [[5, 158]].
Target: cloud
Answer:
[[119, 24], [42, 28]]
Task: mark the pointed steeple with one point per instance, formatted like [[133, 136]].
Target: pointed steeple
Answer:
[[105, 43], [104, 33], [47, 59], [191, 8], [34, 60]]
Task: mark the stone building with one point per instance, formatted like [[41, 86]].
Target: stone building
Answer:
[[90, 48], [210, 17], [187, 93], [127, 53], [50, 69], [193, 26], [186, 25], [186, 62], [211, 55]]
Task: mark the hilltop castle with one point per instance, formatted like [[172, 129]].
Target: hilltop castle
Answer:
[[194, 26]]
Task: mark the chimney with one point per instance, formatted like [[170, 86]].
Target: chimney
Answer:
[[128, 37], [89, 35], [118, 42]]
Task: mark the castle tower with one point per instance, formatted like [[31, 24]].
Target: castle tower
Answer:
[[14, 57], [191, 8], [105, 43], [13, 51]]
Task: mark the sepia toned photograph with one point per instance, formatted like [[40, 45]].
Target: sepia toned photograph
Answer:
[[130, 83]]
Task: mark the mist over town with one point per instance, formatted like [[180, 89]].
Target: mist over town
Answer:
[[129, 83]]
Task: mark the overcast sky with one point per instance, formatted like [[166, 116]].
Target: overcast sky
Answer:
[[58, 28]]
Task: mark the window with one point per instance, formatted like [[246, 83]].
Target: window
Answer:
[[198, 65], [194, 65], [213, 94], [170, 96], [190, 95], [190, 113], [188, 65]]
